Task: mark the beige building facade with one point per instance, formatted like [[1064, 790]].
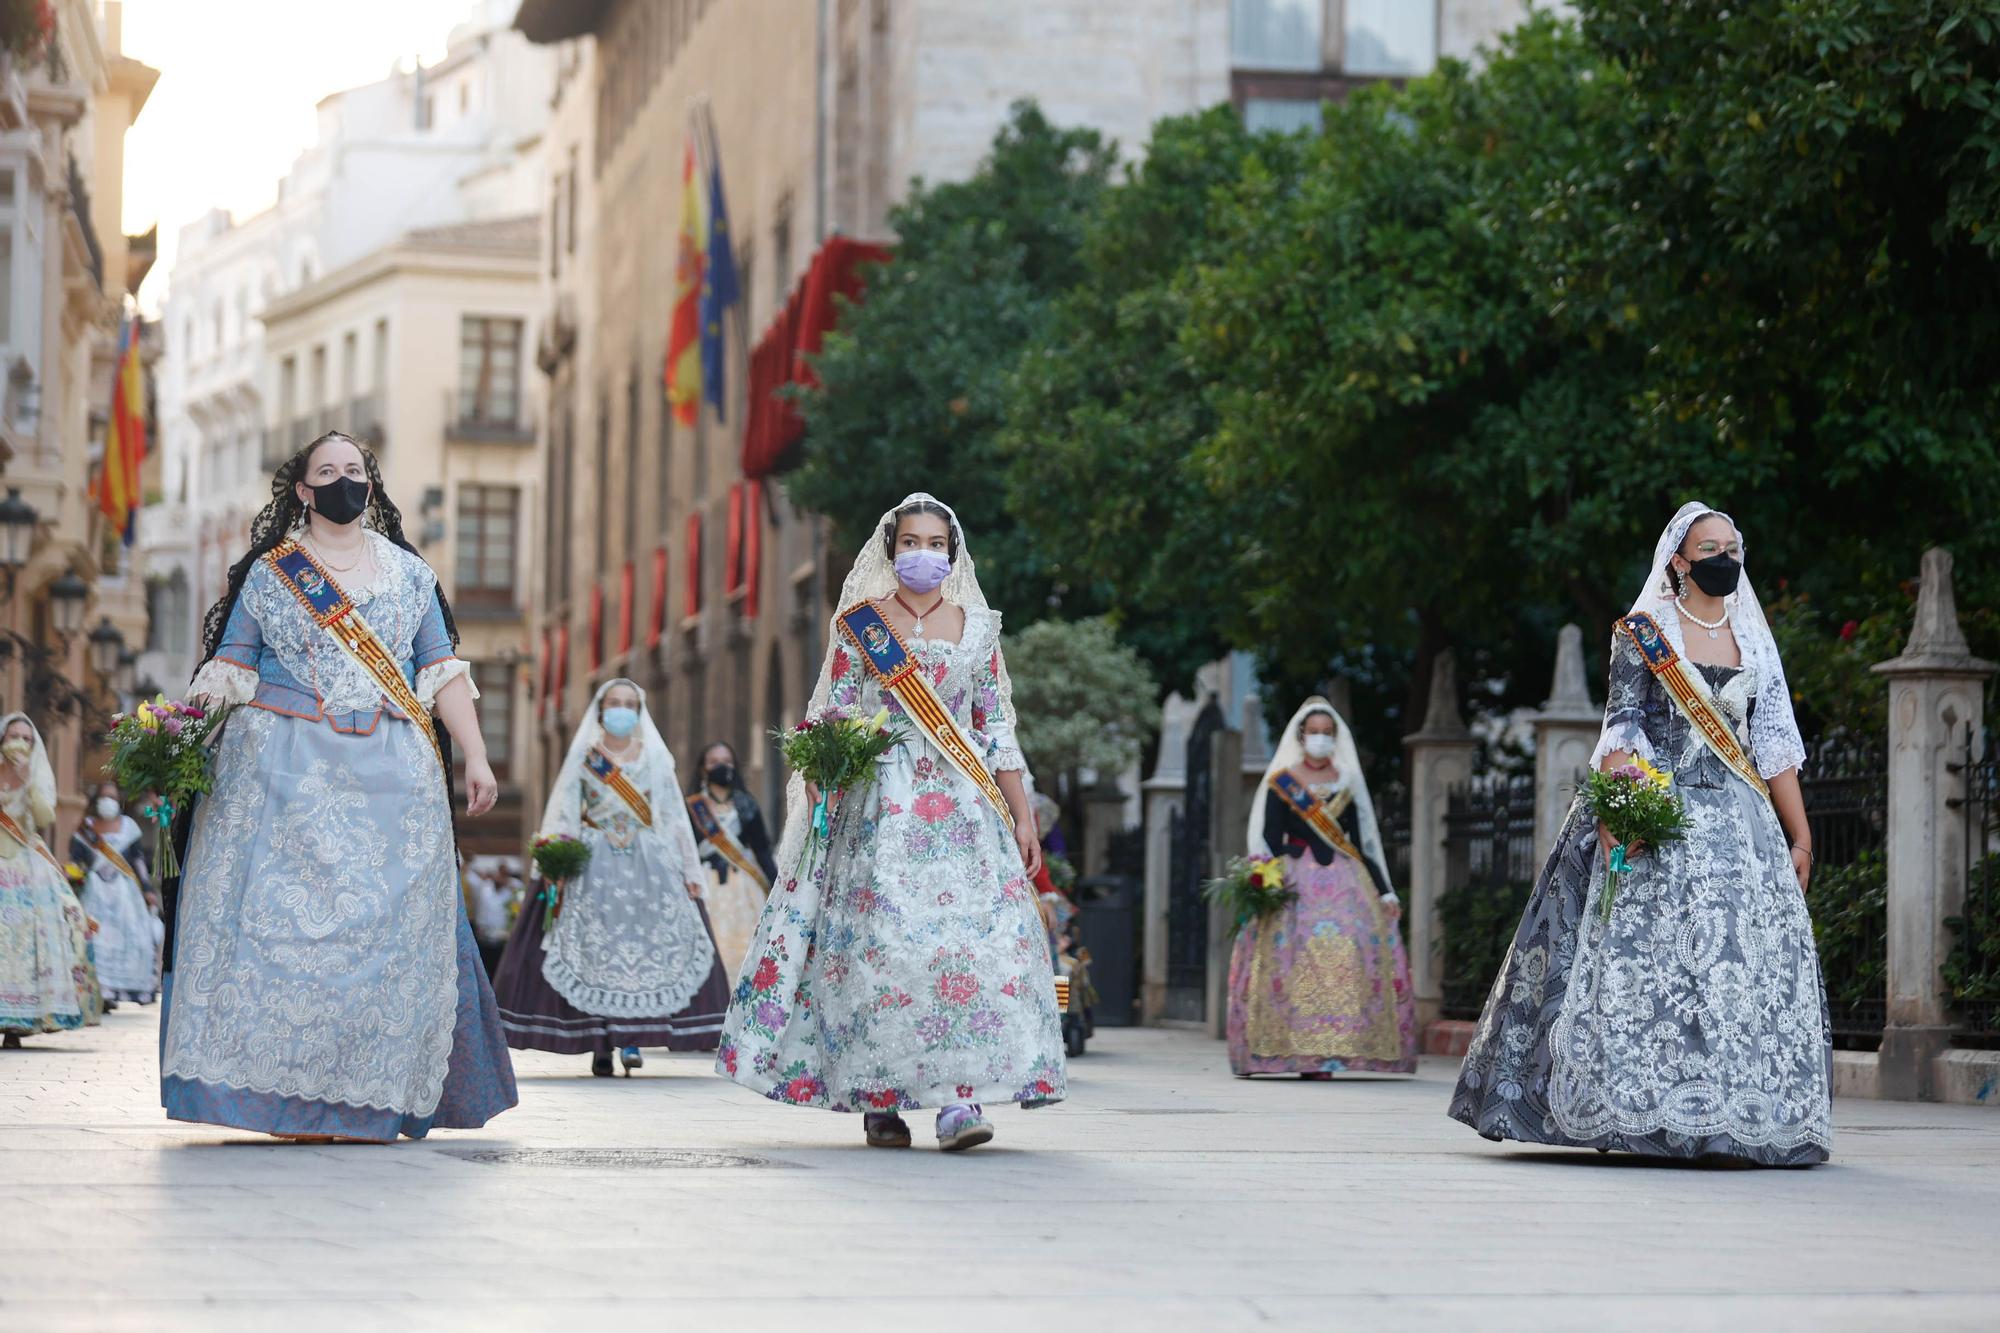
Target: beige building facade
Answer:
[[823, 112], [66, 271]]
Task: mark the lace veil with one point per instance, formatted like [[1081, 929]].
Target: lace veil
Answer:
[[1775, 744], [41, 784], [873, 576], [563, 812], [1347, 766]]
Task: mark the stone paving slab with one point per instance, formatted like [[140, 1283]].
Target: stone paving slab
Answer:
[[1164, 1195]]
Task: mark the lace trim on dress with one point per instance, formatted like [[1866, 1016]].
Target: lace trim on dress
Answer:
[[437, 675], [225, 682]]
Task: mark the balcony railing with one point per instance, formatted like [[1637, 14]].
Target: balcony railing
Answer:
[[364, 417], [475, 426]]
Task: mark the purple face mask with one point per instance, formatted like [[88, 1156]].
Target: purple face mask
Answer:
[[922, 571]]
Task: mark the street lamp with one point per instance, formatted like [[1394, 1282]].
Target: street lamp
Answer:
[[106, 643], [17, 534], [148, 689], [67, 596], [127, 674]]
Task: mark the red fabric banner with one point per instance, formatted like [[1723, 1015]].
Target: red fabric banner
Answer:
[[596, 628], [625, 609], [657, 626], [772, 425], [542, 677], [753, 545], [732, 546], [692, 605]]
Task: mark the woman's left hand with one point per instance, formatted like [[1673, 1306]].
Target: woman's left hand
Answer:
[[694, 890], [1030, 845], [481, 789], [1802, 866]]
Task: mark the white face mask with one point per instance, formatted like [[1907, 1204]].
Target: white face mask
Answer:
[[1319, 746], [108, 807]]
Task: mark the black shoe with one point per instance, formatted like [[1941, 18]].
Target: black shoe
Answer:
[[600, 1064]]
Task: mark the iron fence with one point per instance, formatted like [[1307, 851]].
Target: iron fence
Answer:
[[1489, 872], [1845, 785], [1972, 968]]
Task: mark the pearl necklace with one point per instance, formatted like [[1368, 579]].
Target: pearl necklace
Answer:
[[1714, 627]]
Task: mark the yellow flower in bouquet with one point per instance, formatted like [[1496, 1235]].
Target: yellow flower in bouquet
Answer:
[[1268, 874]]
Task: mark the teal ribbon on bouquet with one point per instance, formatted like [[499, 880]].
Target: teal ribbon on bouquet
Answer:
[[819, 828], [161, 812], [1619, 866]]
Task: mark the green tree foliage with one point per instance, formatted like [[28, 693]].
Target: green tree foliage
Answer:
[[1109, 412], [1085, 700], [1808, 242], [915, 380]]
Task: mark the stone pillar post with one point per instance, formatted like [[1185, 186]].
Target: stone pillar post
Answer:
[[1936, 710], [1566, 729], [1438, 758], [1103, 815], [1164, 792]]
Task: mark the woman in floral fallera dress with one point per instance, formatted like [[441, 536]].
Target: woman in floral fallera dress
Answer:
[[45, 984], [906, 966], [1693, 1022], [1323, 985]]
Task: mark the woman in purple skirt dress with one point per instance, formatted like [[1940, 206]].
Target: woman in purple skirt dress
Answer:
[[629, 960], [1323, 985]]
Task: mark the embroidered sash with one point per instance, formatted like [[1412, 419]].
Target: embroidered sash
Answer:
[[600, 766], [105, 850], [1320, 817], [1689, 692], [884, 652], [708, 827], [33, 844], [334, 611]]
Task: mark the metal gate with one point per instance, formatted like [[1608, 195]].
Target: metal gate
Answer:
[[1190, 833]]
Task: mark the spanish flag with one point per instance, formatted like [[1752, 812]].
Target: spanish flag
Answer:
[[683, 369], [125, 438]]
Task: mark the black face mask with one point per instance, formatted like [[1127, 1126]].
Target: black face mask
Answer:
[[722, 775], [341, 500], [1716, 575]]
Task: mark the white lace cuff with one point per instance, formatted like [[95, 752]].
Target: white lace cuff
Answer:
[[1782, 751], [440, 674], [1626, 735], [225, 682]]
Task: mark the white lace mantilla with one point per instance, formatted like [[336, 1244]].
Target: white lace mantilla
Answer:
[[630, 943]]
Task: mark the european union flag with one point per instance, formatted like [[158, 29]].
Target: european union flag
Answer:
[[720, 287]]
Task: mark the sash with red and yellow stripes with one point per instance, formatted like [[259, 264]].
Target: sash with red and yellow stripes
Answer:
[[1320, 817], [600, 766], [1689, 692], [711, 830], [109, 853], [884, 652], [334, 611], [32, 843]]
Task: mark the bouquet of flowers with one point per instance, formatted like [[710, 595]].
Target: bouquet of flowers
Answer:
[[561, 859], [161, 748], [836, 753], [1636, 807], [1253, 888]]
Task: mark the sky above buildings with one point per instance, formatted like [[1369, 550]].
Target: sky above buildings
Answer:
[[239, 81]]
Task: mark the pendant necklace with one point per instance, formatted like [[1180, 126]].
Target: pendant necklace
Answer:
[[1714, 627], [360, 552], [915, 615]]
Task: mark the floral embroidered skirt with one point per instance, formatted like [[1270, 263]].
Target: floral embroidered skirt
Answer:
[[1322, 985], [42, 962], [910, 969]]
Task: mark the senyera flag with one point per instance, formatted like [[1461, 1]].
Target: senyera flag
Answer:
[[683, 368], [125, 437]]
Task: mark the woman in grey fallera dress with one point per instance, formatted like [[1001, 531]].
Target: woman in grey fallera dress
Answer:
[[1693, 1022]]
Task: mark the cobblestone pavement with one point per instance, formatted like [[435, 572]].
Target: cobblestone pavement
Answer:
[[1165, 1195]]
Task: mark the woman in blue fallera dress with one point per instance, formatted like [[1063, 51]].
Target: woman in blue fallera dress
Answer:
[[323, 981]]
